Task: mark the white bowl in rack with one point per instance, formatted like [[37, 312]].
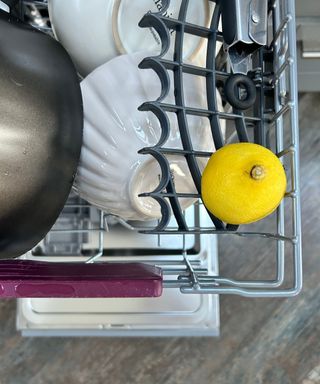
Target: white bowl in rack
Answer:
[[111, 173]]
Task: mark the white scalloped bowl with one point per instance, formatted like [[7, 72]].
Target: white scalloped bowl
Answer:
[[111, 173]]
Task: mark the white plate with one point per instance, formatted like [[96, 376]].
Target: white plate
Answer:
[[111, 173], [95, 31]]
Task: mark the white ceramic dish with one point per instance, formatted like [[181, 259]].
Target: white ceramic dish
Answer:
[[111, 173], [95, 31]]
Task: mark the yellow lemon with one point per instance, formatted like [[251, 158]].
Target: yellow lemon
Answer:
[[243, 183]]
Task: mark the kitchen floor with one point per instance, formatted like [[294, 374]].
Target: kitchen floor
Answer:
[[262, 340]]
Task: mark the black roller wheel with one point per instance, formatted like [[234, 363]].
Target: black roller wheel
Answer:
[[240, 91]]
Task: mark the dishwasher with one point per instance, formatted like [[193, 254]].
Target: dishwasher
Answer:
[[178, 256]]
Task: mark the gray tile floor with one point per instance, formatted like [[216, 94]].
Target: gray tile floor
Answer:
[[262, 340]]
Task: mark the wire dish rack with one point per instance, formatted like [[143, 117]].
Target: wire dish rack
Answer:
[[272, 122]]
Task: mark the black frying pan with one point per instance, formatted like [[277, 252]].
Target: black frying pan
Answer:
[[41, 123]]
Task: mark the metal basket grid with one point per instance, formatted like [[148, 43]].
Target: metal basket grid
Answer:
[[272, 122], [273, 117]]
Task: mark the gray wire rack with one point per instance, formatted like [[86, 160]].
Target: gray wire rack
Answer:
[[274, 115], [272, 122]]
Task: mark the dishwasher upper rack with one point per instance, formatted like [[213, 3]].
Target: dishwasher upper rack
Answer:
[[192, 276], [275, 112]]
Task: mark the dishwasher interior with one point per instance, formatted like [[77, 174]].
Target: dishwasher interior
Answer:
[[73, 239], [184, 244]]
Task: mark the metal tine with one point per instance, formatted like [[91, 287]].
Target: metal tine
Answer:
[[281, 29], [184, 272], [241, 126], [103, 228], [123, 222], [192, 272], [158, 235], [209, 230]]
